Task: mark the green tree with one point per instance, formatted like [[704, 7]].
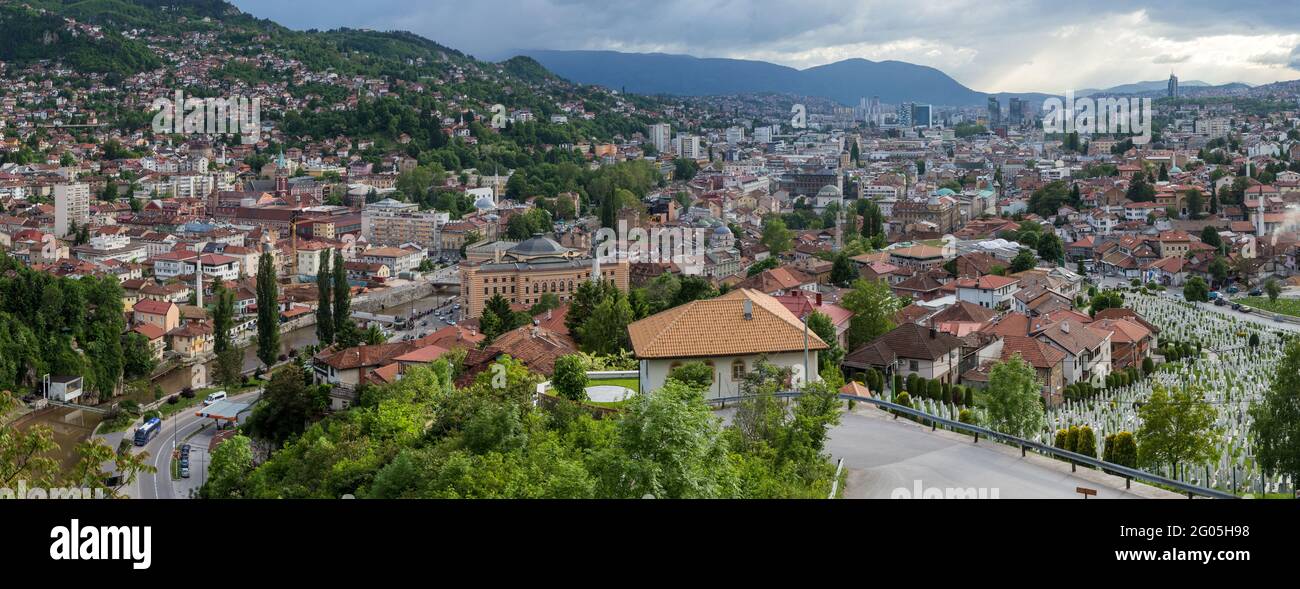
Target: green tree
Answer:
[[232, 463], [287, 406], [1050, 248], [1177, 428], [843, 270], [1210, 236], [1013, 401], [1125, 451], [1195, 203], [1218, 270], [756, 268], [223, 313], [640, 463], [873, 305], [696, 375], [342, 299], [570, 377], [1272, 288], [1086, 443], [1025, 260], [1276, 419], [605, 332], [1195, 290], [137, 357], [820, 324], [230, 366], [776, 237], [324, 290], [268, 311]]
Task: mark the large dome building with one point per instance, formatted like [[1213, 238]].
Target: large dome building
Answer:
[[526, 271]]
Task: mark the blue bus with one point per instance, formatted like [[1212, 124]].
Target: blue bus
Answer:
[[146, 432]]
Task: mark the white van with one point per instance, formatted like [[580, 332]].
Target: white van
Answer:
[[214, 397]]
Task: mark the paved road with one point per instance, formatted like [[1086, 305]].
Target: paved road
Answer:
[[431, 322], [884, 456], [175, 430]]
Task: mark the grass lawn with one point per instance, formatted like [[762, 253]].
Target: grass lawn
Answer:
[[1282, 306], [627, 383]]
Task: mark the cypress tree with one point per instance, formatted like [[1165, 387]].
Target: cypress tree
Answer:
[[342, 298], [222, 313], [324, 311], [268, 311]]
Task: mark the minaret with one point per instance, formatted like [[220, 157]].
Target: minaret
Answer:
[[595, 263], [1259, 206], [198, 281]]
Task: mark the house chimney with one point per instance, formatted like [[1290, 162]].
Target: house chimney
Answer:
[[749, 309], [934, 333], [819, 299]]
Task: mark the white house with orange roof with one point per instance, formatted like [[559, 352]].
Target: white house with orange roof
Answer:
[[730, 334]]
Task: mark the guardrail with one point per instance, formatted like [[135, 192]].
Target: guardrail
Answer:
[[1128, 473], [835, 482]]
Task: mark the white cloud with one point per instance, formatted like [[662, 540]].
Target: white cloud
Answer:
[[1020, 45]]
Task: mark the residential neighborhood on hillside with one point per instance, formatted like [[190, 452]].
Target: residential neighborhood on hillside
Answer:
[[251, 254]]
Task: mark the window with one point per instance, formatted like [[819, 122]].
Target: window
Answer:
[[738, 370], [913, 365]]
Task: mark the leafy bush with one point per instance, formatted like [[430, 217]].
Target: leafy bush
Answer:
[[1086, 442], [968, 416], [1125, 451], [174, 399]]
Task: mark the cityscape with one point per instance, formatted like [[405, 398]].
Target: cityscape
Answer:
[[251, 251]]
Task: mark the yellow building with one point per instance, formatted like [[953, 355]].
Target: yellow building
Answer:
[[531, 269]]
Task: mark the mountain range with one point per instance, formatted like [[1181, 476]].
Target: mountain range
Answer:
[[844, 81]]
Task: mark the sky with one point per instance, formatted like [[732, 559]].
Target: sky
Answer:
[[988, 45]]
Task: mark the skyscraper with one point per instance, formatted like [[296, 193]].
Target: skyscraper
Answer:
[[661, 136], [905, 115], [71, 205], [995, 113], [922, 115], [1173, 86], [1016, 114]]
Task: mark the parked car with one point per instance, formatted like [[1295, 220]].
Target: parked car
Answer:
[[1220, 302], [1233, 290], [1254, 292], [1244, 309], [1236, 306], [214, 397], [185, 472]]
